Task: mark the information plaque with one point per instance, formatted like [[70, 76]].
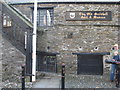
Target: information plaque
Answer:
[[89, 15]]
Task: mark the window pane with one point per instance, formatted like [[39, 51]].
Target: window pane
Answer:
[[38, 17], [43, 18], [7, 22], [48, 18]]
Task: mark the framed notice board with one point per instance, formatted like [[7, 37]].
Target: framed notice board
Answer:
[[88, 15]]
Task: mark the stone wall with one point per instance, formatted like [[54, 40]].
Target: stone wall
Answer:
[[91, 33], [25, 9], [67, 37], [12, 59], [0, 16], [119, 27], [84, 39], [0, 46]]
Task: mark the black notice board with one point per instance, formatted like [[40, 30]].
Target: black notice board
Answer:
[[88, 15]]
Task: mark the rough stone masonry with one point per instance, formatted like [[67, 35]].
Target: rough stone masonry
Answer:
[[11, 60], [0, 47], [67, 37]]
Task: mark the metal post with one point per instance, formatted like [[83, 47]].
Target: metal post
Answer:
[[63, 76], [34, 42], [23, 77], [28, 68]]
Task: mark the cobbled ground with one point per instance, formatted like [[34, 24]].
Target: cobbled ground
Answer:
[[89, 81]]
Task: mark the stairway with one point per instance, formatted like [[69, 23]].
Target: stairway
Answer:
[[20, 24], [16, 32]]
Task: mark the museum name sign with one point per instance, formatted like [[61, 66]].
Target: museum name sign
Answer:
[[88, 15]]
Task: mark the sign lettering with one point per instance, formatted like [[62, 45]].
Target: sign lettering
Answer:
[[89, 15]]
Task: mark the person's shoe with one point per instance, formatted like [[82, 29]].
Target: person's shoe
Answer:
[[117, 86], [111, 80]]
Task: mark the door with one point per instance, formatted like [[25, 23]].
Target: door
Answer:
[[47, 63]]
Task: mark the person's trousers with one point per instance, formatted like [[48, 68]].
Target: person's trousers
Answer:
[[112, 73]]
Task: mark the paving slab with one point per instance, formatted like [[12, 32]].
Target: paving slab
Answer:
[[48, 82], [77, 81]]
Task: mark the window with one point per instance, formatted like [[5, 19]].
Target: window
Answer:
[[7, 22], [44, 17]]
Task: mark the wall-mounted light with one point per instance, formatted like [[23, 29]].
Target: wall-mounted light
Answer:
[[80, 48], [96, 48]]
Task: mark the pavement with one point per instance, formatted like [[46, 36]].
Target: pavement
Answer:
[[76, 81], [51, 81]]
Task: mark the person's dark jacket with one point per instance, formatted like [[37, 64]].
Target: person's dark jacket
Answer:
[[116, 57]]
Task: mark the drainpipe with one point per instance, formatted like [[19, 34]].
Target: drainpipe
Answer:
[[34, 42]]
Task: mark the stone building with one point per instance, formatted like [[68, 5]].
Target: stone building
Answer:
[[11, 58], [81, 34], [0, 49]]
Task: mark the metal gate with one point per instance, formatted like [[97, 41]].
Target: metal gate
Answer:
[[46, 62], [90, 64]]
